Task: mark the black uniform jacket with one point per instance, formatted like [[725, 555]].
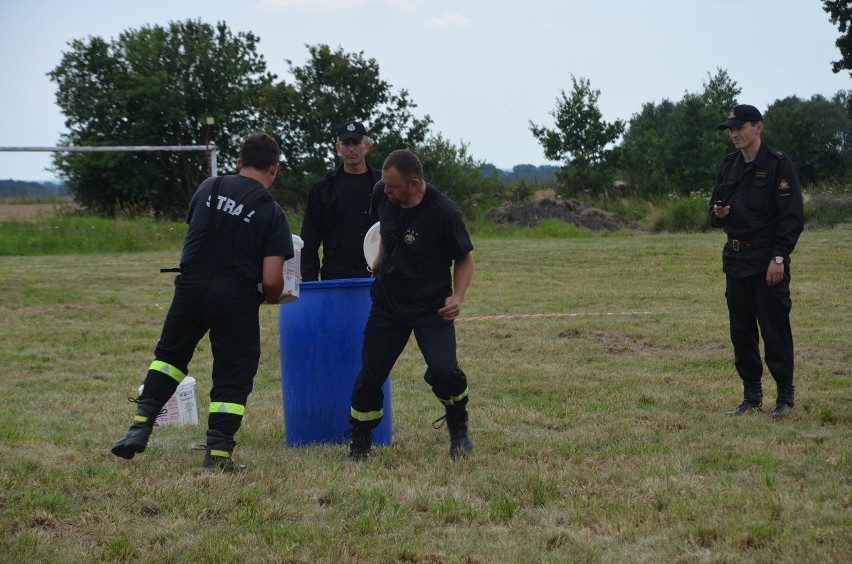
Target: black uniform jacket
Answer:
[[321, 226], [766, 206]]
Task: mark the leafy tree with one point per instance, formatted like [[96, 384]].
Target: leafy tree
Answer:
[[458, 174], [675, 148], [840, 14], [331, 88], [643, 156], [816, 133], [155, 86], [580, 139]]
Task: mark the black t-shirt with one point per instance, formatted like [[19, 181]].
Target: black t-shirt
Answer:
[[419, 245], [355, 220], [250, 225]]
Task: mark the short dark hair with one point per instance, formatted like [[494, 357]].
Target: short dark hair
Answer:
[[260, 151], [405, 162]]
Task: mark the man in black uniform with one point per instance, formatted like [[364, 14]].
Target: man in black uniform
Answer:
[[757, 200], [338, 212], [233, 254], [422, 236]]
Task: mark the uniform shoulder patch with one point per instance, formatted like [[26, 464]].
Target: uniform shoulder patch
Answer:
[[776, 153]]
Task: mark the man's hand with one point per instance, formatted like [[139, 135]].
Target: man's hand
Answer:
[[721, 211], [451, 309], [775, 273]]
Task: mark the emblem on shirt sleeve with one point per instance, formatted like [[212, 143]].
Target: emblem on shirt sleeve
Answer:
[[783, 187]]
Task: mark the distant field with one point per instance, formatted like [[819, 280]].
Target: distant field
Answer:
[[12, 210]]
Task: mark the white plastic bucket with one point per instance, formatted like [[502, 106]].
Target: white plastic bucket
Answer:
[[293, 273], [181, 408], [372, 245]]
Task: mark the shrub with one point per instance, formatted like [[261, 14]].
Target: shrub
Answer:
[[828, 211], [680, 215]]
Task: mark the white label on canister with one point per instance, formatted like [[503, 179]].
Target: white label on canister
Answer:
[[293, 273]]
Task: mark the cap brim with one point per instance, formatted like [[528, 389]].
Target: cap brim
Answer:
[[351, 135], [729, 123]]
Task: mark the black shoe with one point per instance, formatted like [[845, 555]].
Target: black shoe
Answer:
[[460, 446], [362, 444], [456, 419], [780, 410], [134, 441], [221, 462], [745, 407], [784, 401]]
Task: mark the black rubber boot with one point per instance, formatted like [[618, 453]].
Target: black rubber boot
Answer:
[[460, 443], [361, 445], [785, 402], [218, 453], [137, 436], [752, 399]]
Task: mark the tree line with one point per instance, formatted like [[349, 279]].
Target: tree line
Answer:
[[674, 148], [30, 189], [160, 86]]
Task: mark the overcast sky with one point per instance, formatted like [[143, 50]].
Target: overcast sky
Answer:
[[481, 69]]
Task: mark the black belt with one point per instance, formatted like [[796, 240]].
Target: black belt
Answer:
[[738, 245]]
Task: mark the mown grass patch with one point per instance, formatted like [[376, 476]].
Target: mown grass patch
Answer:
[[600, 368]]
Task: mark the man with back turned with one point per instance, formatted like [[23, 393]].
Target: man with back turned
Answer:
[[232, 259]]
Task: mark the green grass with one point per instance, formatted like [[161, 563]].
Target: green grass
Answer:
[[64, 235], [599, 427], [547, 229]]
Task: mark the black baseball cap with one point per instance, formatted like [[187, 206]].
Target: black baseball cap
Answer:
[[741, 115], [351, 130]]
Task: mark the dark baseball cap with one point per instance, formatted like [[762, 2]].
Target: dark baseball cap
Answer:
[[741, 115], [352, 130]]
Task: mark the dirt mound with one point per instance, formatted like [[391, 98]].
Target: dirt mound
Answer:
[[569, 211]]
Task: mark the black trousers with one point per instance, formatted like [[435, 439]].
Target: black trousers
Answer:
[[385, 336], [752, 304], [227, 306]]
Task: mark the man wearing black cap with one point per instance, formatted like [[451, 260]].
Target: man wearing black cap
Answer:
[[338, 213], [757, 200]]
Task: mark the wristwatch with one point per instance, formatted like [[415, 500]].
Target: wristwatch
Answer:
[[779, 260]]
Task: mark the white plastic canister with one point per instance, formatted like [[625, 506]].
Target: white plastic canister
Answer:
[[293, 272], [181, 408]]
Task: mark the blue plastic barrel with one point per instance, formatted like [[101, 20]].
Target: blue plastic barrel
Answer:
[[320, 337]]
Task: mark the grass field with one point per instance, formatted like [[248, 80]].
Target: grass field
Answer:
[[599, 428]]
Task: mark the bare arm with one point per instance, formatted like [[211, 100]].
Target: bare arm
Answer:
[[462, 275], [273, 279]]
